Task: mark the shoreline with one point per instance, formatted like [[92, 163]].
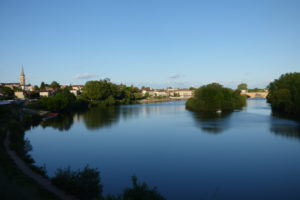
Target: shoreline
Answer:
[[148, 101]]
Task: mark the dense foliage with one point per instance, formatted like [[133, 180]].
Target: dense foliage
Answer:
[[84, 184], [7, 92], [242, 86], [213, 97], [284, 95], [108, 93], [139, 191], [63, 100]]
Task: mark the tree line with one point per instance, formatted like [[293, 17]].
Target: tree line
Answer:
[[284, 95]]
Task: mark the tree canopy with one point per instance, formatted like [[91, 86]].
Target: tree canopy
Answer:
[[213, 97], [242, 86], [106, 91], [7, 92], [284, 95], [55, 85]]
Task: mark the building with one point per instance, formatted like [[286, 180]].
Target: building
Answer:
[[77, 87], [184, 93], [11, 85], [45, 93], [75, 92], [20, 95], [22, 79]]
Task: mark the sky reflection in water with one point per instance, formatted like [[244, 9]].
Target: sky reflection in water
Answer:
[[247, 154]]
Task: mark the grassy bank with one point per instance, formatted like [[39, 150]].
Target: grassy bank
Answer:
[[13, 183]]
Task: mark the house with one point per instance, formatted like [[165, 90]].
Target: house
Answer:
[[11, 85], [75, 92], [184, 93], [161, 93], [45, 93], [20, 95], [77, 87]]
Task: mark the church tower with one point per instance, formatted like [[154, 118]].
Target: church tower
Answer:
[[22, 79]]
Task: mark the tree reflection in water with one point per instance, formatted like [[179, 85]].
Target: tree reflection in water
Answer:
[[285, 127], [100, 117], [212, 123], [61, 122]]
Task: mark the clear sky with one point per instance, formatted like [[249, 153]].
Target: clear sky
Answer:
[[154, 43]]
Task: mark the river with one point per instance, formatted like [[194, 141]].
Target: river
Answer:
[[248, 154]]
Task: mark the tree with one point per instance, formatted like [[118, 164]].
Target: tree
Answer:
[[141, 191], [109, 93], [242, 86], [36, 88], [84, 184], [62, 100], [96, 90], [213, 97], [284, 95], [55, 85], [8, 93], [43, 86]]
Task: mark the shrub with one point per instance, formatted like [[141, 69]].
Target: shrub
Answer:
[[84, 184], [284, 95], [213, 97]]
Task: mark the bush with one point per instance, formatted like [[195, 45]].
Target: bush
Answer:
[[213, 97], [84, 184], [284, 95], [139, 191]]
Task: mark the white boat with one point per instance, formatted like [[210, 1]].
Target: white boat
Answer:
[[219, 111]]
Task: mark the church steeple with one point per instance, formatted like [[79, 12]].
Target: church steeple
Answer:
[[22, 78], [22, 71]]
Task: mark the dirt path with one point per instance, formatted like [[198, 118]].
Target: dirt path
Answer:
[[45, 183]]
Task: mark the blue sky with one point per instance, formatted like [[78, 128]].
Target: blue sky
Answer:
[[154, 43]]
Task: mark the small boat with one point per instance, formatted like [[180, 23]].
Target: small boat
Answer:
[[50, 116], [219, 111]]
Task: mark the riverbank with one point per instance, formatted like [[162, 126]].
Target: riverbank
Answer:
[[13, 183], [147, 101], [42, 181]]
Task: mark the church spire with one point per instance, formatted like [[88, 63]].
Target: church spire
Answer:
[[22, 71], [22, 78]]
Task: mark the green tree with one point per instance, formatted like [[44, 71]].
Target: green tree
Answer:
[[55, 85], [242, 86], [42, 86], [96, 90], [84, 184], [141, 191], [284, 95], [62, 100], [8, 93], [36, 88], [213, 97], [109, 93]]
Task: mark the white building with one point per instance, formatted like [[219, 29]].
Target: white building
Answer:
[[20, 95], [45, 94]]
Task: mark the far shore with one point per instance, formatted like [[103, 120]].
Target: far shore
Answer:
[[146, 101]]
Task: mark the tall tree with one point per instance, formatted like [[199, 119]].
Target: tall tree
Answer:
[[43, 86], [55, 85], [242, 86], [284, 95]]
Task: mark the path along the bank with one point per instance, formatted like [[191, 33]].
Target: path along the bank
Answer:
[[45, 183]]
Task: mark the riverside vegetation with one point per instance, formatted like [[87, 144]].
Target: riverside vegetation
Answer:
[[284, 95], [213, 97], [84, 184], [102, 92]]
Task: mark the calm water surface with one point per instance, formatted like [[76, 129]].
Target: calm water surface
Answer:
[[248, 154]]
